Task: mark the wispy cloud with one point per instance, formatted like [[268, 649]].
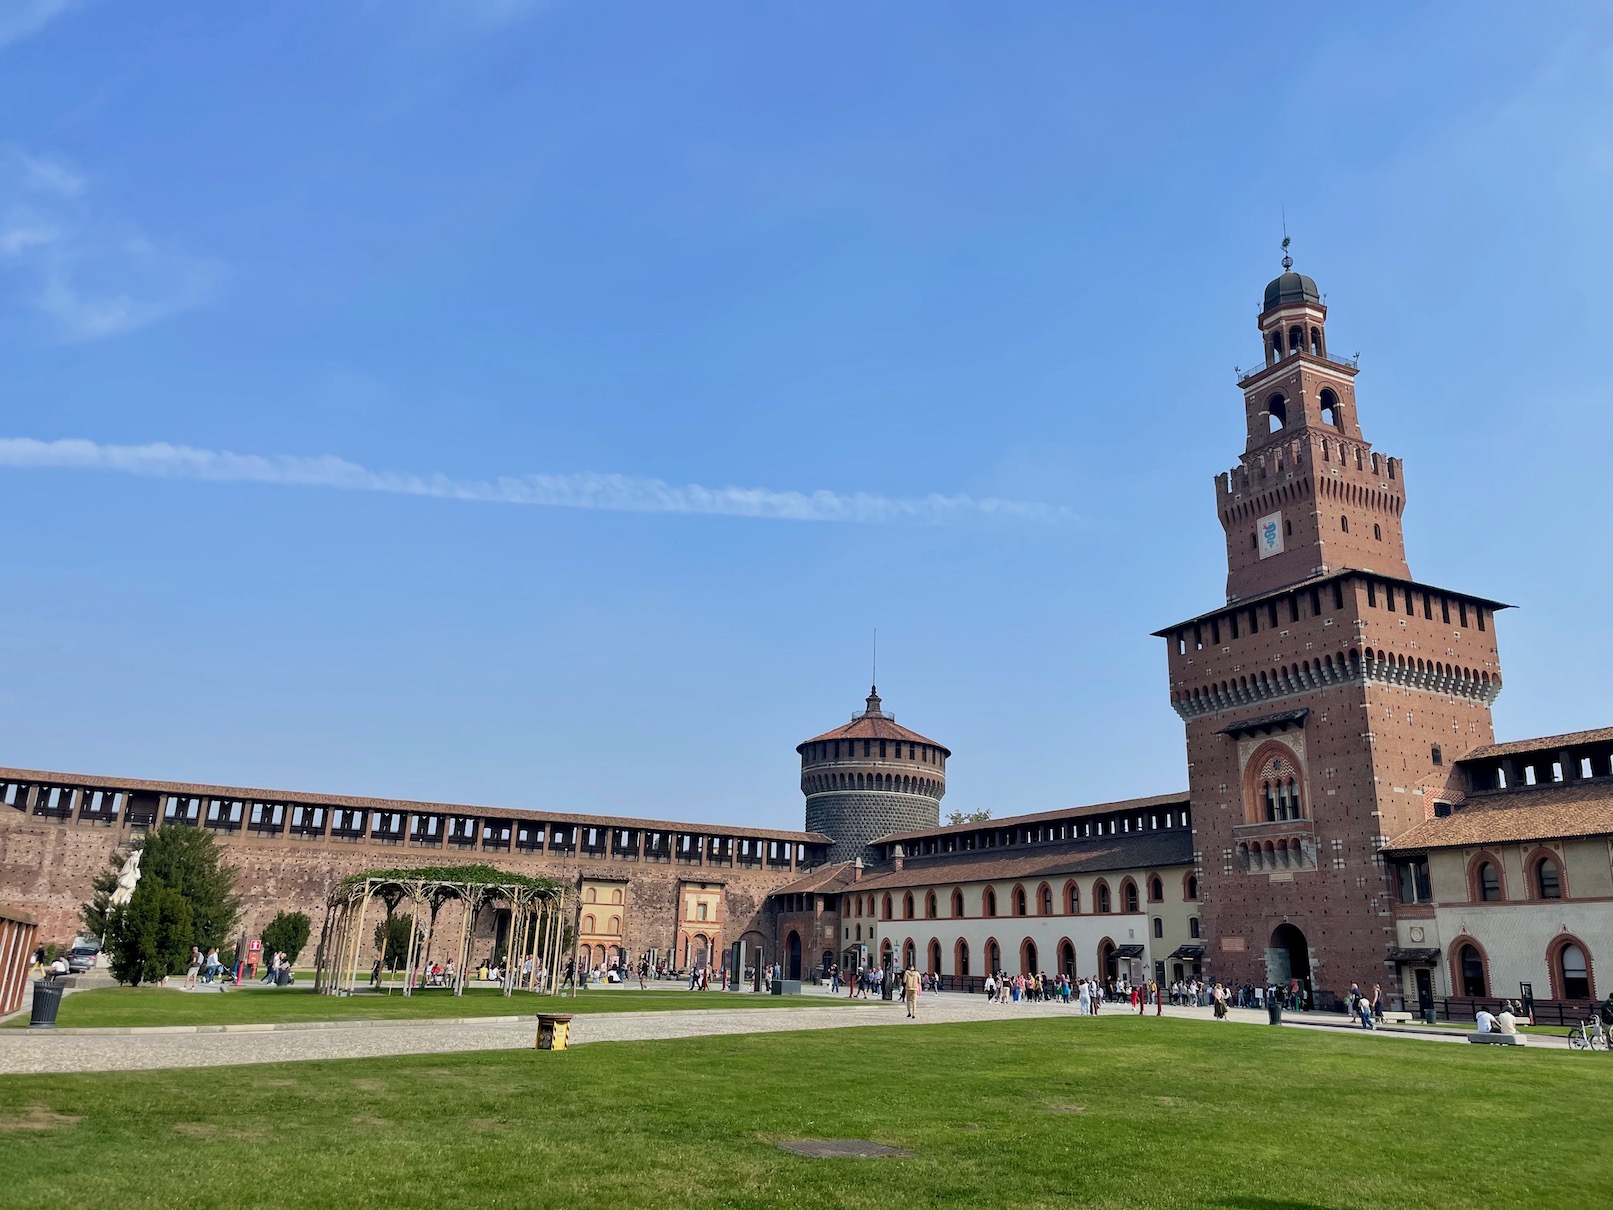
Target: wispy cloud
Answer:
[[21, 19], [615, 493], [87, 272]]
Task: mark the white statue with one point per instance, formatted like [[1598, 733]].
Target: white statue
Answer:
[[128, 876]]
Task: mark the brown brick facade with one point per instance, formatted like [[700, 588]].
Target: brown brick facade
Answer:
[[1326, 702]]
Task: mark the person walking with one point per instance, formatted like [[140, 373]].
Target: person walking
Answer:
[[193, 967], [910, 992], [1159, 998]]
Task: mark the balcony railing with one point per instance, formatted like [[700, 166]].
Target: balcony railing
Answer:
[[1352, 363]]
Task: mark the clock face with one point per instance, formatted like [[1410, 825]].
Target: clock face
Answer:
[[1269, 535]]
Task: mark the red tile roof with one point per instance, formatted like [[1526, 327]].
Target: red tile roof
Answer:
[[1544, 743], [874, 723], [1137, 851], [1534, 813]]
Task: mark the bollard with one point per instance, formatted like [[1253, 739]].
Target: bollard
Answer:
[[553, 1030]]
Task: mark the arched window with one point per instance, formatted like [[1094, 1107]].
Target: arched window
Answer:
[[885, 907], [1046, 897], [1192, 892], [935, 956], [1156, 890], [957, 904], [587, 924], [616, 895], [1128, 895], [929, 910], [615, 924], [1277, 410], [1548, 879], [1159, 927], [909, 955], [1573, 973], [1296, 339], [1101, 894], [1377, 532], [989, 902], [994, 957], [1019, 901], [1488, 881], [1193, 926], [1332, 413], [1470, 971], [961, 958], [907, 906], [1344, 524], [590, 895], [1072, 894]]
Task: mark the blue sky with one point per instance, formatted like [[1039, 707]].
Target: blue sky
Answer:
[[540, 404]]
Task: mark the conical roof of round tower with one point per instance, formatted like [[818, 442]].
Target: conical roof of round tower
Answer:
[[874, 723]]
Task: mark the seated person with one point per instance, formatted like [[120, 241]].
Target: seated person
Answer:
[[1487, 1021], [1505, 1019], [58, 968]]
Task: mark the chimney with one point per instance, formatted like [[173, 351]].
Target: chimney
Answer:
[[896, 856], [857, 870]]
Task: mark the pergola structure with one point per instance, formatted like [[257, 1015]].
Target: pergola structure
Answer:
[[534, 950]]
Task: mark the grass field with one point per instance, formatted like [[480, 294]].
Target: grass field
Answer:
[[131, 1006], [1113, 1112]]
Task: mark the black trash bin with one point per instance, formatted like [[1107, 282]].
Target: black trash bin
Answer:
[[47, 999], [1428, 1015], [1274, 1011]]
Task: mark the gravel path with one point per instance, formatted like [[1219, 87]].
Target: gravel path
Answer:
[[22, 1051]]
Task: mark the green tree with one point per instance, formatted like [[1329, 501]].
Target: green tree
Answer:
[[958, 817], [186, 860], [392, 939], [150, 936], [287, 933]]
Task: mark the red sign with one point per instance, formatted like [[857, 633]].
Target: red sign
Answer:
[[254, 947]]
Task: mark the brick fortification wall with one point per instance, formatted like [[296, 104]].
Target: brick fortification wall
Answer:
[[48, 865]]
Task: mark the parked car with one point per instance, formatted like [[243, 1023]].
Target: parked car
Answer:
[[82, 958]]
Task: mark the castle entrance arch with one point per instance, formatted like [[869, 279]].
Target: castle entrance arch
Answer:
[[792, 961], [1288, 957]]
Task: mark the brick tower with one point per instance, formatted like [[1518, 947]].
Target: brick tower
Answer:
[[1325, 701], [870, 778]]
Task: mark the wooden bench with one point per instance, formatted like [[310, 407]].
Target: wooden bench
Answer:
[[1497, 1039]]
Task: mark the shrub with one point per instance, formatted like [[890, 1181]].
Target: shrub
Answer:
[[287, 933]]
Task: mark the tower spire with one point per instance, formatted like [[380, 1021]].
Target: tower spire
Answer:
[[1288, 261]]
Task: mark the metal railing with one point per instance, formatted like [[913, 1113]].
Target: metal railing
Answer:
[[1352, 363]]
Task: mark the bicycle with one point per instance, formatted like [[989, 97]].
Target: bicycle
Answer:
[[1588, 1036]]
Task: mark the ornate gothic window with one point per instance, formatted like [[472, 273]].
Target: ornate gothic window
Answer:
[[1275, 790]]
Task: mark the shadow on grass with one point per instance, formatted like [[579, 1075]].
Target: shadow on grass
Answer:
[[1266, 1203]]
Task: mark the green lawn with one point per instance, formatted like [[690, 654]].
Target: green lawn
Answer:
[[128, 1006], [1112, 1112]]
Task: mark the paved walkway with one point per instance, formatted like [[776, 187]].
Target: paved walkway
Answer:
[[22, 1051]]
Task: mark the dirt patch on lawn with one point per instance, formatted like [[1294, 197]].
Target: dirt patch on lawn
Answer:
[[196, 1130], [1064, 1108], [369, 1085], [365, 1119], [37, 1117]]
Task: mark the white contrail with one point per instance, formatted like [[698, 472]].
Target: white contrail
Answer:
[[618, 493]]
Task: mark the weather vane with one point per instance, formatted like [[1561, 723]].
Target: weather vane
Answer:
[[1288, 261]]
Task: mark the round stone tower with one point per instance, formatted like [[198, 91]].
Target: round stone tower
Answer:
[[871, 778]]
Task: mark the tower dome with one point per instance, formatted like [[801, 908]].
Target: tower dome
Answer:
[[1291, 287], [869, 778]]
